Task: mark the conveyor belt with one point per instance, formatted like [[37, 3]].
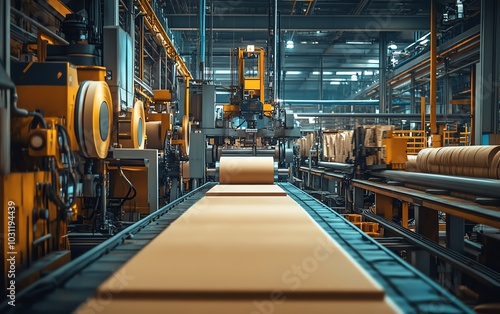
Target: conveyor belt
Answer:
[[483, 273], [66, 288], [408, 288], [70, 286], [448, 204], [235, 253]]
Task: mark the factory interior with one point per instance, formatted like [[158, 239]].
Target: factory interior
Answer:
[[265, 156]]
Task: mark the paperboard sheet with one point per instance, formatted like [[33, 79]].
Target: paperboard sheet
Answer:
[[244, 246], [273, 304], [246, 190]]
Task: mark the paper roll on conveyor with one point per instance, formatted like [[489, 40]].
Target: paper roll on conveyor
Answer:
[[246, 170], [471, 161]]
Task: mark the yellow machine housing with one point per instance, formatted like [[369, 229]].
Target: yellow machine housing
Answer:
[[43, 184], [250, 82], [52, 88], [395, 150], [85, 110], [39, 242]]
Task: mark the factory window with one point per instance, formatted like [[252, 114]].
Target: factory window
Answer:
[[251, 65]]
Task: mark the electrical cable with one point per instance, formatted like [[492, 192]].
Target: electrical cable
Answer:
[[25, 113], [131, 188], [67, 177], [240, 124]]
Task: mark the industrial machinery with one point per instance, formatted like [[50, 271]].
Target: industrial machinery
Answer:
[[81, 168], [442, 200], [279, 250], [247, 92], [104, 122], [248, 125]]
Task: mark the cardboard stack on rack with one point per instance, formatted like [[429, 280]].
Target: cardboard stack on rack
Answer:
[[338, 146], [306, 142], [373, 138], [375, 133]]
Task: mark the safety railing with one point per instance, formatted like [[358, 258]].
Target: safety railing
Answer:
[[416, 140]]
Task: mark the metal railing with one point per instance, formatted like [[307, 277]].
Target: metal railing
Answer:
[[416, 140]]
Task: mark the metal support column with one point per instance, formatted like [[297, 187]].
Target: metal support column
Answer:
[[404, 214], [186, 97], [383, 205], [359, 198], [426, 224], [131, 27], [433, 69], [388, 101], [332, 186], [4, 94], [203, 10], [141, 49], [274, 95], [487, 107], [422, 113], [447, 91], [473, 104], [413, 105], [382, 70], [455, 231], [111, 13]]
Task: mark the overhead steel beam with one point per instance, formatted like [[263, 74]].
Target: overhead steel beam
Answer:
[[346, 23], [371, 115]]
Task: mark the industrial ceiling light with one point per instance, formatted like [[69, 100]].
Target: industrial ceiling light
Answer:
[[373, 61], [346, 73], [293, 72], [358, 42], [290, 44]]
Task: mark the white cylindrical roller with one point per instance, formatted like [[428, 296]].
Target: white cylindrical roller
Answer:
[[93, 119]]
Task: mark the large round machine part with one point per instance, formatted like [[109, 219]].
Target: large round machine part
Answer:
[[185, 133], [132, 128], [93, 119]]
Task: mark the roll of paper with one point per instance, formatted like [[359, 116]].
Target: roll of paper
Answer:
[[246, 170]]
